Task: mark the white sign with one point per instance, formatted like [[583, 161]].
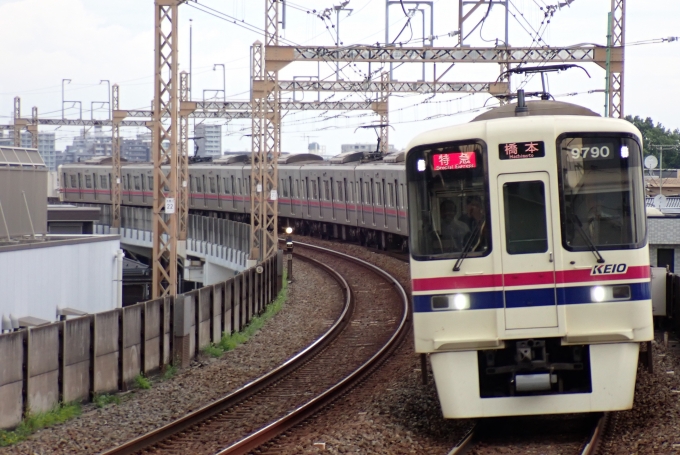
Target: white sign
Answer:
[[274, 195], [259, 187], [184, 183], [170, 205]]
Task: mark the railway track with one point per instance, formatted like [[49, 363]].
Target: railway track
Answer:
[[359, 340], [579, 434]]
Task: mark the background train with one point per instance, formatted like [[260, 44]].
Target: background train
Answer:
[[347, 197], [537, 301], [527, 306]]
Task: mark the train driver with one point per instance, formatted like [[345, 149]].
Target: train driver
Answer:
[[476, 221], [453, 231]]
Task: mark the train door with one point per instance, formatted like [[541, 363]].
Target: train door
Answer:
[[527, 251], [346, 198], [332, 196], [292, 195], [361, 199], [219, 191]]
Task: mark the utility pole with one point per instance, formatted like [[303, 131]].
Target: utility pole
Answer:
[[117, 116], [618, 43], [164, 149], [266, 137], [185, 108], [19, 123]]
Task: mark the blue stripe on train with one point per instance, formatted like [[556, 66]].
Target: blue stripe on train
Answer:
[[524, 298]]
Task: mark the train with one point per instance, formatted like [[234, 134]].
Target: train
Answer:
[[537, 300], [348, 197], [526, 232]]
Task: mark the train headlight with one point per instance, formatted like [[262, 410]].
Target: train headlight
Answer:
[[289, 230], [597, 294], [610, 293], [461, 301], [451, 302]]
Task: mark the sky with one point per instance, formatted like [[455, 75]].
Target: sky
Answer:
[[59, 52]]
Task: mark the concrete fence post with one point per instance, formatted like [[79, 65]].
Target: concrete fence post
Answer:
[[121, 351], [181, 330], [93, 355], [26, 341]]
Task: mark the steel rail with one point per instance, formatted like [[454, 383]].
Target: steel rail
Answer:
[[593, 445], [153, 437], [297, 416]]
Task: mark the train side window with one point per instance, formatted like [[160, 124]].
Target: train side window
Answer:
[[137, 183], [526, 230], [88, 181], [315, 194], [379, 193], [102, 179], [212, 185], [199, 187], [233, 190], [238, 182], [390, 189], [327, 191], [150, 178], [290, 185], [341, 194]]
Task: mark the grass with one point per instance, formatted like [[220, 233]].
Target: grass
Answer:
[[34, 422], [213, 350], [229, 342], [170, 371], [101, 400], [142, 382]]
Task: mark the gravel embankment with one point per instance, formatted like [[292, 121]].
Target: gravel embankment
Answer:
[[395, 414], [207, 379]]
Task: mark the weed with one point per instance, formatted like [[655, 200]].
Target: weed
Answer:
[[213, 350], [170, 371], [34, 422], [230, 341], [142, 382], [101, 400]]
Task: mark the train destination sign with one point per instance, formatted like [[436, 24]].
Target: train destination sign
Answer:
[[519, 150], [452, 161]]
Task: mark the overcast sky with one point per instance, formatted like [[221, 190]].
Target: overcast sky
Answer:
[[46, 41]]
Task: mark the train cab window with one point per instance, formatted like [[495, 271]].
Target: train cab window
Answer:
[[88, 181], [137, 183], [601, 191], [448, 201], [102, 179], [526, 231]]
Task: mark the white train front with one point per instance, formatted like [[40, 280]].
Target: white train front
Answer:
[[529, 260]]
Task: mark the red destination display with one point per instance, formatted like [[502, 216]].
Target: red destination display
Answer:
[[452, 161]]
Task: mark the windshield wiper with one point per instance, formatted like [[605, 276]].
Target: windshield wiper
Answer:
[[586, 237], [468, 247]]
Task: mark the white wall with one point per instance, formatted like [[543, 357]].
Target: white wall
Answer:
[[33, 282]]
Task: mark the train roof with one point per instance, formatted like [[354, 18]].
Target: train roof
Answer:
[[536, 108]]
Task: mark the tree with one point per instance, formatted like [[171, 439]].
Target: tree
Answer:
[[658, 135]]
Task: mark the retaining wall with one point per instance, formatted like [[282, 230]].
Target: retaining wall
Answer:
[[102, 353]]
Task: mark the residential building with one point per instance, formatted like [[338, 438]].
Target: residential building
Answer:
[[46, 143], [208, 140], [368, 148]]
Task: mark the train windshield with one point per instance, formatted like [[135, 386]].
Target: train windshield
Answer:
[[448, 201], [602, 200]]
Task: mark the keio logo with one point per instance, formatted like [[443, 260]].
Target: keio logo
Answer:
[[609, 269]]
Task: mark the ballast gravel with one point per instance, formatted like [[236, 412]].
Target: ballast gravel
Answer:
[[391, 413]]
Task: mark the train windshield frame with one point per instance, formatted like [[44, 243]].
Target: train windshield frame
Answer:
[[448, 200], [601, 191]]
